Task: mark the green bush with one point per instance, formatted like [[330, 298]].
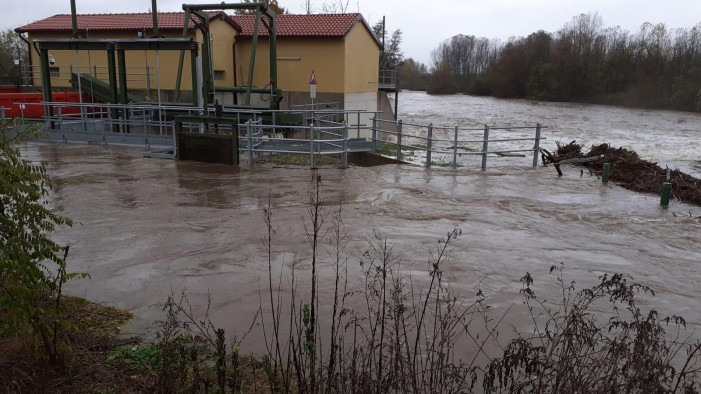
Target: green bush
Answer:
[[32, 266]]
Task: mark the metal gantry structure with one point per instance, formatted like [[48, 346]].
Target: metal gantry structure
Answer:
[[116, 59], [263, 16]]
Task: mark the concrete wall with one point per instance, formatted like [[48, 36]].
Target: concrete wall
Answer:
[[362, 101]]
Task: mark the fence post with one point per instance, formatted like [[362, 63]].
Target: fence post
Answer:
[[399, 139], [60, 117], [175, 142], [2, 114], [605, 175], [429, 144], [665, 194], [311, 145], [249, 143], [345, 145], [455, 148], [485, 147], [536, 147], [374, 133], [358, 126]]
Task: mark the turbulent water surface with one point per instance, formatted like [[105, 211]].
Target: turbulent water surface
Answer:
[[148, 227]]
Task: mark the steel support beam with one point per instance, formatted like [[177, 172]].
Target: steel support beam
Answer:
[[86, 44], [112, 71], [154, 13], [121, 59], [46, 81]]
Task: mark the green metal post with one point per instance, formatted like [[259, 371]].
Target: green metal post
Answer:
[[112, 71], [74, 19], [121, 58], [181, 60], [605, 176], [46, 82], [252, 59], [207, 85], [154, 13], [666, 194], [193, 64], [274, 102]]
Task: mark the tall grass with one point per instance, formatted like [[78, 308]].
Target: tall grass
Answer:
[[397, 333]]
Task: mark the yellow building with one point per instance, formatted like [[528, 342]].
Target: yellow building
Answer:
[[340, 48]]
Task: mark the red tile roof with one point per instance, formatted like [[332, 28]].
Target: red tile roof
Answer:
[[314, 25], [117, 22], [288, 25]]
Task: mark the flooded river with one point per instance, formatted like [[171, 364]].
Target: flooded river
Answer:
[[147, 227]]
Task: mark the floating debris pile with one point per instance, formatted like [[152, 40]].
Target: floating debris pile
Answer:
[[627, 170]]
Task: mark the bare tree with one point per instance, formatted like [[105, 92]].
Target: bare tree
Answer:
[[335, 7]]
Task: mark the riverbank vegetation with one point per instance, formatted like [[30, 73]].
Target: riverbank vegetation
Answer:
[[584, 61], [381, 322]]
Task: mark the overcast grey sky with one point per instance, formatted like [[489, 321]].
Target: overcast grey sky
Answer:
[[424, 23]]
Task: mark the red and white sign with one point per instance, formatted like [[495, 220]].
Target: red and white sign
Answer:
[[312, 85]]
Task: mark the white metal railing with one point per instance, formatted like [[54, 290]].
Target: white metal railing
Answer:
[[328, 133], [317, 139], [451, 140], [387, 79]]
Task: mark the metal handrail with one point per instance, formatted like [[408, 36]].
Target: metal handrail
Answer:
[[431, 141]]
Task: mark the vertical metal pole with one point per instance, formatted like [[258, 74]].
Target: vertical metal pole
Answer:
[[2, 114], [311, 144], [196, 88], [46, 83], [60, 117], [272, 36], [121, 58], [181, 58], [358, 125], [252, 59], [249, 138], [112, 70], [396, 102], [374, 134], [399, 139], [605, 175], [536, 147], [455, 149], [74, 19], [429, 144], [175, 142], [154, 13], [485, 147], [666, 194], [345, 145]]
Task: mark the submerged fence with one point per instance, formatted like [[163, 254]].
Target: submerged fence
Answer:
[[314, 132], [399, 139]]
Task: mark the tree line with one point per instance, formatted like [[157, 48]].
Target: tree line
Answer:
[[653, 68]]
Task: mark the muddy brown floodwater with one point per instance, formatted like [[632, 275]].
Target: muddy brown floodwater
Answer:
[[147, 227]]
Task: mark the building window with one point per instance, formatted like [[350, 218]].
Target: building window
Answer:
[[55, 72], [219, 75]]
